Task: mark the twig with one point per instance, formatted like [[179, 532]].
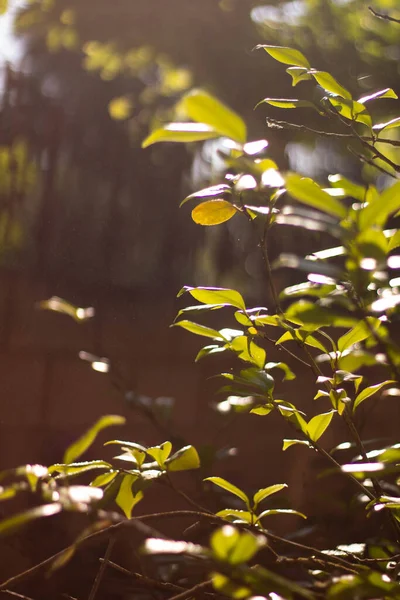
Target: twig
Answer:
[[383, 16], [192, 591], [329, 134], [147, 581], [103, 567], [370, 162], [136, 522], [16, 595]]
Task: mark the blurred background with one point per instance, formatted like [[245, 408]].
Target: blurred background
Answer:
[[87, 215]]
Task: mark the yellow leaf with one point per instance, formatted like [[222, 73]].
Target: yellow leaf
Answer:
[[213, 212]]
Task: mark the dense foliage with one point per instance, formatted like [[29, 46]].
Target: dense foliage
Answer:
[[339, 322]]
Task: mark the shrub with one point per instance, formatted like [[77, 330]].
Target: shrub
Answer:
[[338, 323]]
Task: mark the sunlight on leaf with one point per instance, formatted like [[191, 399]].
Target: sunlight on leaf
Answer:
[[83, 443]]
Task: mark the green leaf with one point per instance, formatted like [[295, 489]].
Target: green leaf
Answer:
[[213, 212], [288, 373], [281, 511], [126, 499], [288, 443], [352, 189], [292, 414], [228, 588], [17, 521], [181, 132], [329, 84], [380, 208], [229, 487], [370, 391], [160, 453], [394, 241], [357, 334], [204, 108], [304, 312], [262, 411], [223, 540], [318, 425], [351, 110], [248, 351], [83, 443], [132, 445], [287, 56], [385, 93], [265, 492], [388, 125], [199, 330], [183, 460], [104, 479], [208, 350], [298, 74], [308, 192], [212, 295], [244, 549], [73, 469], [243, 516], [287, 103], [211, 192], [3, 6]]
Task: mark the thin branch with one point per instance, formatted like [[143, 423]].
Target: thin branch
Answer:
[[370, 162], [192, 591], [103, 567], [328, 134], [136, 522], [147, 582], [16, 595], [383, 16]]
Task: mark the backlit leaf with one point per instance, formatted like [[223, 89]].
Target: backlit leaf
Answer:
[[349, 109], [229, 487], [287, 103], [83, 443], [160, 453], [183, 460], [385, 93], [287, 56], [17, 521], [235, 515], [288, 443], [281, 511], [298, 74], [308, 192], [126, 499], [357, 334], [213, 212], [268, 491], [370, 391], [181, 132], [214, 191], [199, 330], [329, 84], [388, 125], [318, 425], [213, 295], [204, 108]]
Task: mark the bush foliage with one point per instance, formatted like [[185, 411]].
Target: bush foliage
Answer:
[[339, 322]]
